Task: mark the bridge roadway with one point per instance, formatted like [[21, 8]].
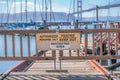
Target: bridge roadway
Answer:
[[72, 70]]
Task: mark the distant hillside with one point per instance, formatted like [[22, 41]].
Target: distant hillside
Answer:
[[56, 16]]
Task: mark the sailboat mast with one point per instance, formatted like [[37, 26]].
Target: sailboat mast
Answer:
[[26, 10], [46, 10], [7, 13], [15, 10], [21, 11], [34, 10], [50, 10]]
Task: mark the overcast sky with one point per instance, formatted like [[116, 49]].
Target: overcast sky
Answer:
[[59, 6]]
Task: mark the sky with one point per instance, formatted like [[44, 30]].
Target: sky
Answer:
[[59, 6]]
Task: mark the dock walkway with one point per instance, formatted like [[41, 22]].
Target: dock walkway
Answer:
[[74, 70]]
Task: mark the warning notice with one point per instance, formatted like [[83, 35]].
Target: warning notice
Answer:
[[58, 45], [58, 41]]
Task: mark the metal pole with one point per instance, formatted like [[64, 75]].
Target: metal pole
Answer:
[[15, 10], [35, 13], [21, 11], [97, 20], [7, 12], [50, 10], [26, 9], [46, 10]]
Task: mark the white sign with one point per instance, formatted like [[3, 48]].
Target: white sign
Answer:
[[59, 46]]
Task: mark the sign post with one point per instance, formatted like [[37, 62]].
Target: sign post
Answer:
[[58, 41]]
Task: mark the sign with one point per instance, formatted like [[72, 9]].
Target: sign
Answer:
[[58, 41], [59, 45]]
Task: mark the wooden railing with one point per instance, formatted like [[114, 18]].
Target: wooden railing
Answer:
[[85, 32]]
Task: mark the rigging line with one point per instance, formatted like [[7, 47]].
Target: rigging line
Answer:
[[51, 12], [69, 10], [9, 13], [2, 15], [53, 15], [40, 10]]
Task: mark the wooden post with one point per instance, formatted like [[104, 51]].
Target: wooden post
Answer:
[[109, 43], [78, 52], [5, 44], [44, 53], [116, 44], [70, 53], [13, 44], [28, 45], [85, 43], [93, 47], [21, 47], [54, 52], [101, 51], [60, 55]]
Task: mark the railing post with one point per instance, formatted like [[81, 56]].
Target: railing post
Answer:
[[101, 50], [29, 45], [85, 39], [78, 52], [70, 53], [54, 53], [108, 43], [116, 44], [21, 47], [13, 44], [93, 49], [5, 44]]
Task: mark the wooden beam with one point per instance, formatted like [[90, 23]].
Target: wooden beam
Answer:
[[90, 57], [21, 45], [29, 45], [69, 52], [116, 44], [101, 50], [93, 47], [85, 43], [26, 58], [109, 43], [13, 44], [5, 44]]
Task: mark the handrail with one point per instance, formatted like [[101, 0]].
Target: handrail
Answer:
[[85, 32]]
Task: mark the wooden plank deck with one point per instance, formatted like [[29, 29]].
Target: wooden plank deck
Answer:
[[76, 70]]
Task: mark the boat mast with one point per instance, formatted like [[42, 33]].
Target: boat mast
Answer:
[[15, 10], [50, 10], [35, 13], [46, 10], [21, 11], [7, 13], [26, 10]]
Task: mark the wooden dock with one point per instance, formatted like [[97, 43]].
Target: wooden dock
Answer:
[[47, 70]]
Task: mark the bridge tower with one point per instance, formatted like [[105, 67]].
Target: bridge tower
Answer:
[[79, 9]]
